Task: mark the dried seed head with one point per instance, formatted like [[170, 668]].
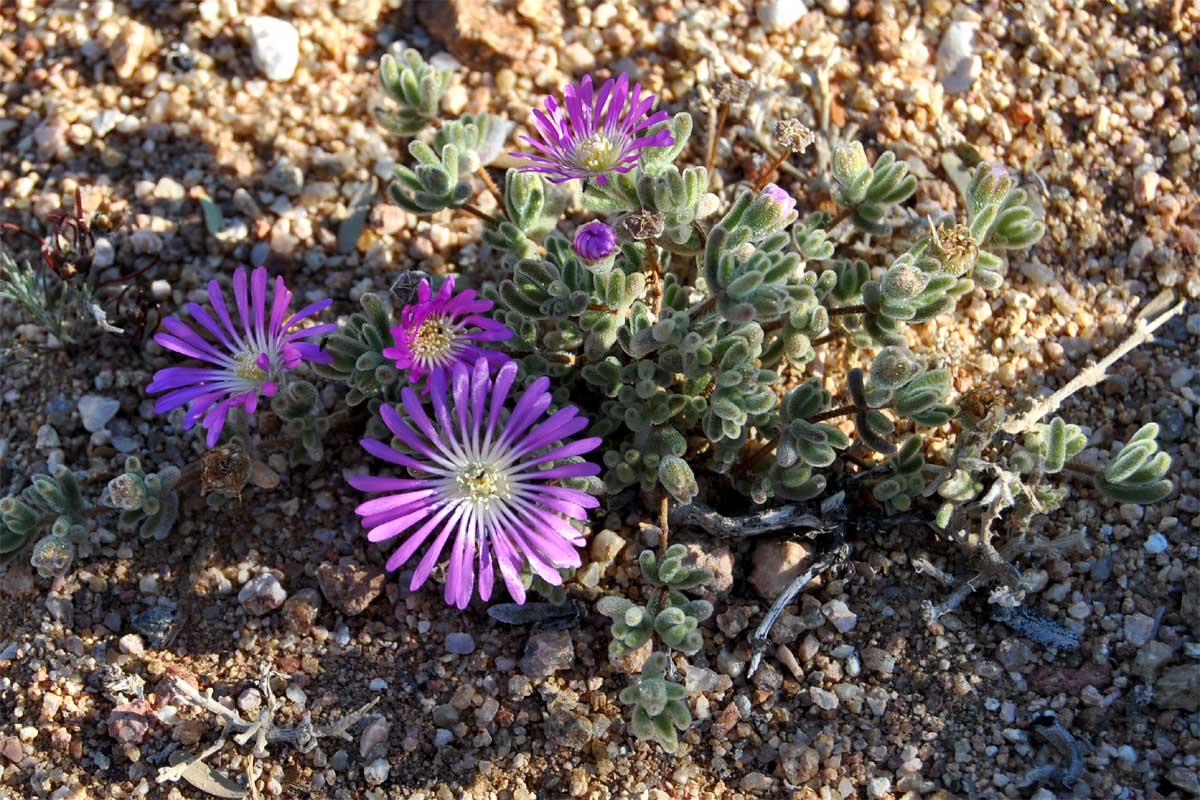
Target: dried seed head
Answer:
[[793, 135], [955, 248], [645, 224], [225, 469], [730, 90]]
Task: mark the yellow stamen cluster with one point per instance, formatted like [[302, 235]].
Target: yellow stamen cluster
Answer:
[[482, 483], [247, 366], [434, 338], [595, 153]]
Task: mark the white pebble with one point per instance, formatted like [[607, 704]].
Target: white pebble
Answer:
[[780, 15], [1156, 543], [275, 46]]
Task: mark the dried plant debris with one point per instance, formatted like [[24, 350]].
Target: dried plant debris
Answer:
[[262, 730], [1038, 627], [1069, 768]]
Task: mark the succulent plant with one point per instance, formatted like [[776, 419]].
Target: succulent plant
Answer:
[[416, 87], [1138, 472], [148, 502], [658, 704]]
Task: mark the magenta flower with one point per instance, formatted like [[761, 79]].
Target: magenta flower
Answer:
[[437, 332], [485, 482], [594, 242], [247, 360], [597, 134]]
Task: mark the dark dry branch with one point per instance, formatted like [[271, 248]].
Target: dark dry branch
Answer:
[[758, 640], [1065, 774], [747, 525]]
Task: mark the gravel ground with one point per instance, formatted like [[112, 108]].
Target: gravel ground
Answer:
[[1099, 107]]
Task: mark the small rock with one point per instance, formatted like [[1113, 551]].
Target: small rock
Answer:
[[376, 772], [1156, 543], [1186, 779], [47, 438], [1150, 658], [776, 565], [958, 66], [779, 15], [716, 558], [878, 660], [51, 139], [285, 177], [374, 738], [133, 43], [475, 33], [275, 47], [1179, 687], [128, 723], [445, 715], [10, 748], [262, 594], [840, 616], [300, 610], [145, 242], [1145, 187], [389, 219], [822, 698], [1014, 654], [350, 587], [1139, 629], [606, 546], [460, 644], [756, 782], [631, 662], [878, 788], [808, 648], [131, 644], [96, 411], [568, 728], [1049, 680], [698, 679], [548, 652]]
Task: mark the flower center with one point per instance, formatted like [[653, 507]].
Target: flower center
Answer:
[[595, 153], [247, 367], [482, 483], [434, 338]]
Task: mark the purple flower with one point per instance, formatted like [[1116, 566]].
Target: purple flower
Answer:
[[437, 332], [595, 241], [247, 360], [485, 483], [596, 134], [785, 200]]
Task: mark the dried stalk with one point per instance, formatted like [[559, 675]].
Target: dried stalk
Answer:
[[1092, 375]]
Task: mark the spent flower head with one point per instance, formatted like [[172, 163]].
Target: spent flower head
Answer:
[[793, 135], [245, 360], [593, 134], [438, 331], [486, 483], [645, 224]]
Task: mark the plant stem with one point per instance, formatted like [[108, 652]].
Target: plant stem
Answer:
[[758, 455], [840, 218], [829, 337], [703, 307], [664, 523], [855, 309], [483, 215], [765, 177], [491, 187], [834, 413], [714, 135]]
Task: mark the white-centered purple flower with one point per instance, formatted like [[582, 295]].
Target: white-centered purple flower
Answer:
[[593, 134], [438, 331], [595, 242], [485, 483], [245, 360]]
